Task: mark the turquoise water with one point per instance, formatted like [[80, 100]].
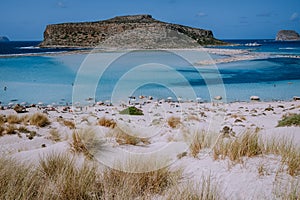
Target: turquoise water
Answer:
[[156, 73]]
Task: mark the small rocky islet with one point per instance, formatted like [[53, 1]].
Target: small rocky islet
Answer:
[[287, 35]]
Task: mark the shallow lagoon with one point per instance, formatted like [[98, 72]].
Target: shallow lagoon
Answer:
[[156, 73]]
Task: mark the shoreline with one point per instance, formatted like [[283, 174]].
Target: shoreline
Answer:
[[232, 55], [41, 105]]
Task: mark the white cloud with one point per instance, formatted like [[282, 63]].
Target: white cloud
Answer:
[[294, 17], [201, 14], [61, 4]]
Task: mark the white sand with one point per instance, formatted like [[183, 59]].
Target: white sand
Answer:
[[238, 181]]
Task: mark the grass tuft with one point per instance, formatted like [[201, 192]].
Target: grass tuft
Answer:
[[140, 185], [174, 122], [39, 119], [289, 120], [11, 129], [86, 141], [198, 143], [110, 123], [18, 181], [13, 119], [54, 135], [69, 180], [123, 138], [69, 124], [245, 145], [23, 129], [206, 190], [2, 119]]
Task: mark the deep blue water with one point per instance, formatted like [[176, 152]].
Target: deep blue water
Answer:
[[27, 47], [51, 79], [268, 46]]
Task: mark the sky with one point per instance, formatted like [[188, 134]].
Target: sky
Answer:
[[228, 19]]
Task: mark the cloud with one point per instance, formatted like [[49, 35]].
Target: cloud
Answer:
[[294, 17], [61, 4], [201, 14]]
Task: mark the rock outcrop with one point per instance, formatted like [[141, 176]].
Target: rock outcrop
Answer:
[[287, 35], [138, 31], [4, 39]]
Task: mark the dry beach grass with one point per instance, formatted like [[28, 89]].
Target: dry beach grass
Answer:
[[66, 167]]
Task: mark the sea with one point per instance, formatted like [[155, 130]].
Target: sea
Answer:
[[56, 76]]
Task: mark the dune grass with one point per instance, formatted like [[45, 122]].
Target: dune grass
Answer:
[[140, 178], [2, 130], [70, 180], [246, 145], [86, 141], [287, 190], [19, 181], [55, 135], [78, 145], [174, 122], [289, 120], [134, 185], [2, 119], [11, 129], [200, 140], [59, 176], [249, 145], [123, 138], [69, 124], [205, 190], [23, 129], [290, 153], [110, 123], [13, 119], [39, 119]]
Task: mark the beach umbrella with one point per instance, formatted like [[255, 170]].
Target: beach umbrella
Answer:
[[198, 99], [40, 103], [77, 103], [23, 103], [11, 104]]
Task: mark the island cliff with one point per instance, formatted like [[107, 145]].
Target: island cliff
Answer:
[[137, 31], [287, 35]]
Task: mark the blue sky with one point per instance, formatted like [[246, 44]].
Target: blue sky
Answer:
[[228, 19]]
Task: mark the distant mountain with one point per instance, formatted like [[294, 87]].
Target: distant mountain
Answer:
[[4, 39], [137, 31], [287, 35]]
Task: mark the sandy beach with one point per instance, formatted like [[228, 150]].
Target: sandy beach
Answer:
[[264, 175]]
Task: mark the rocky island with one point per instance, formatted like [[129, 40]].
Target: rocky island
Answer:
[[4, 39], [137, 31], [287, 35]]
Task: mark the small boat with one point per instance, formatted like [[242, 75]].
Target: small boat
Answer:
[[254, 44]]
